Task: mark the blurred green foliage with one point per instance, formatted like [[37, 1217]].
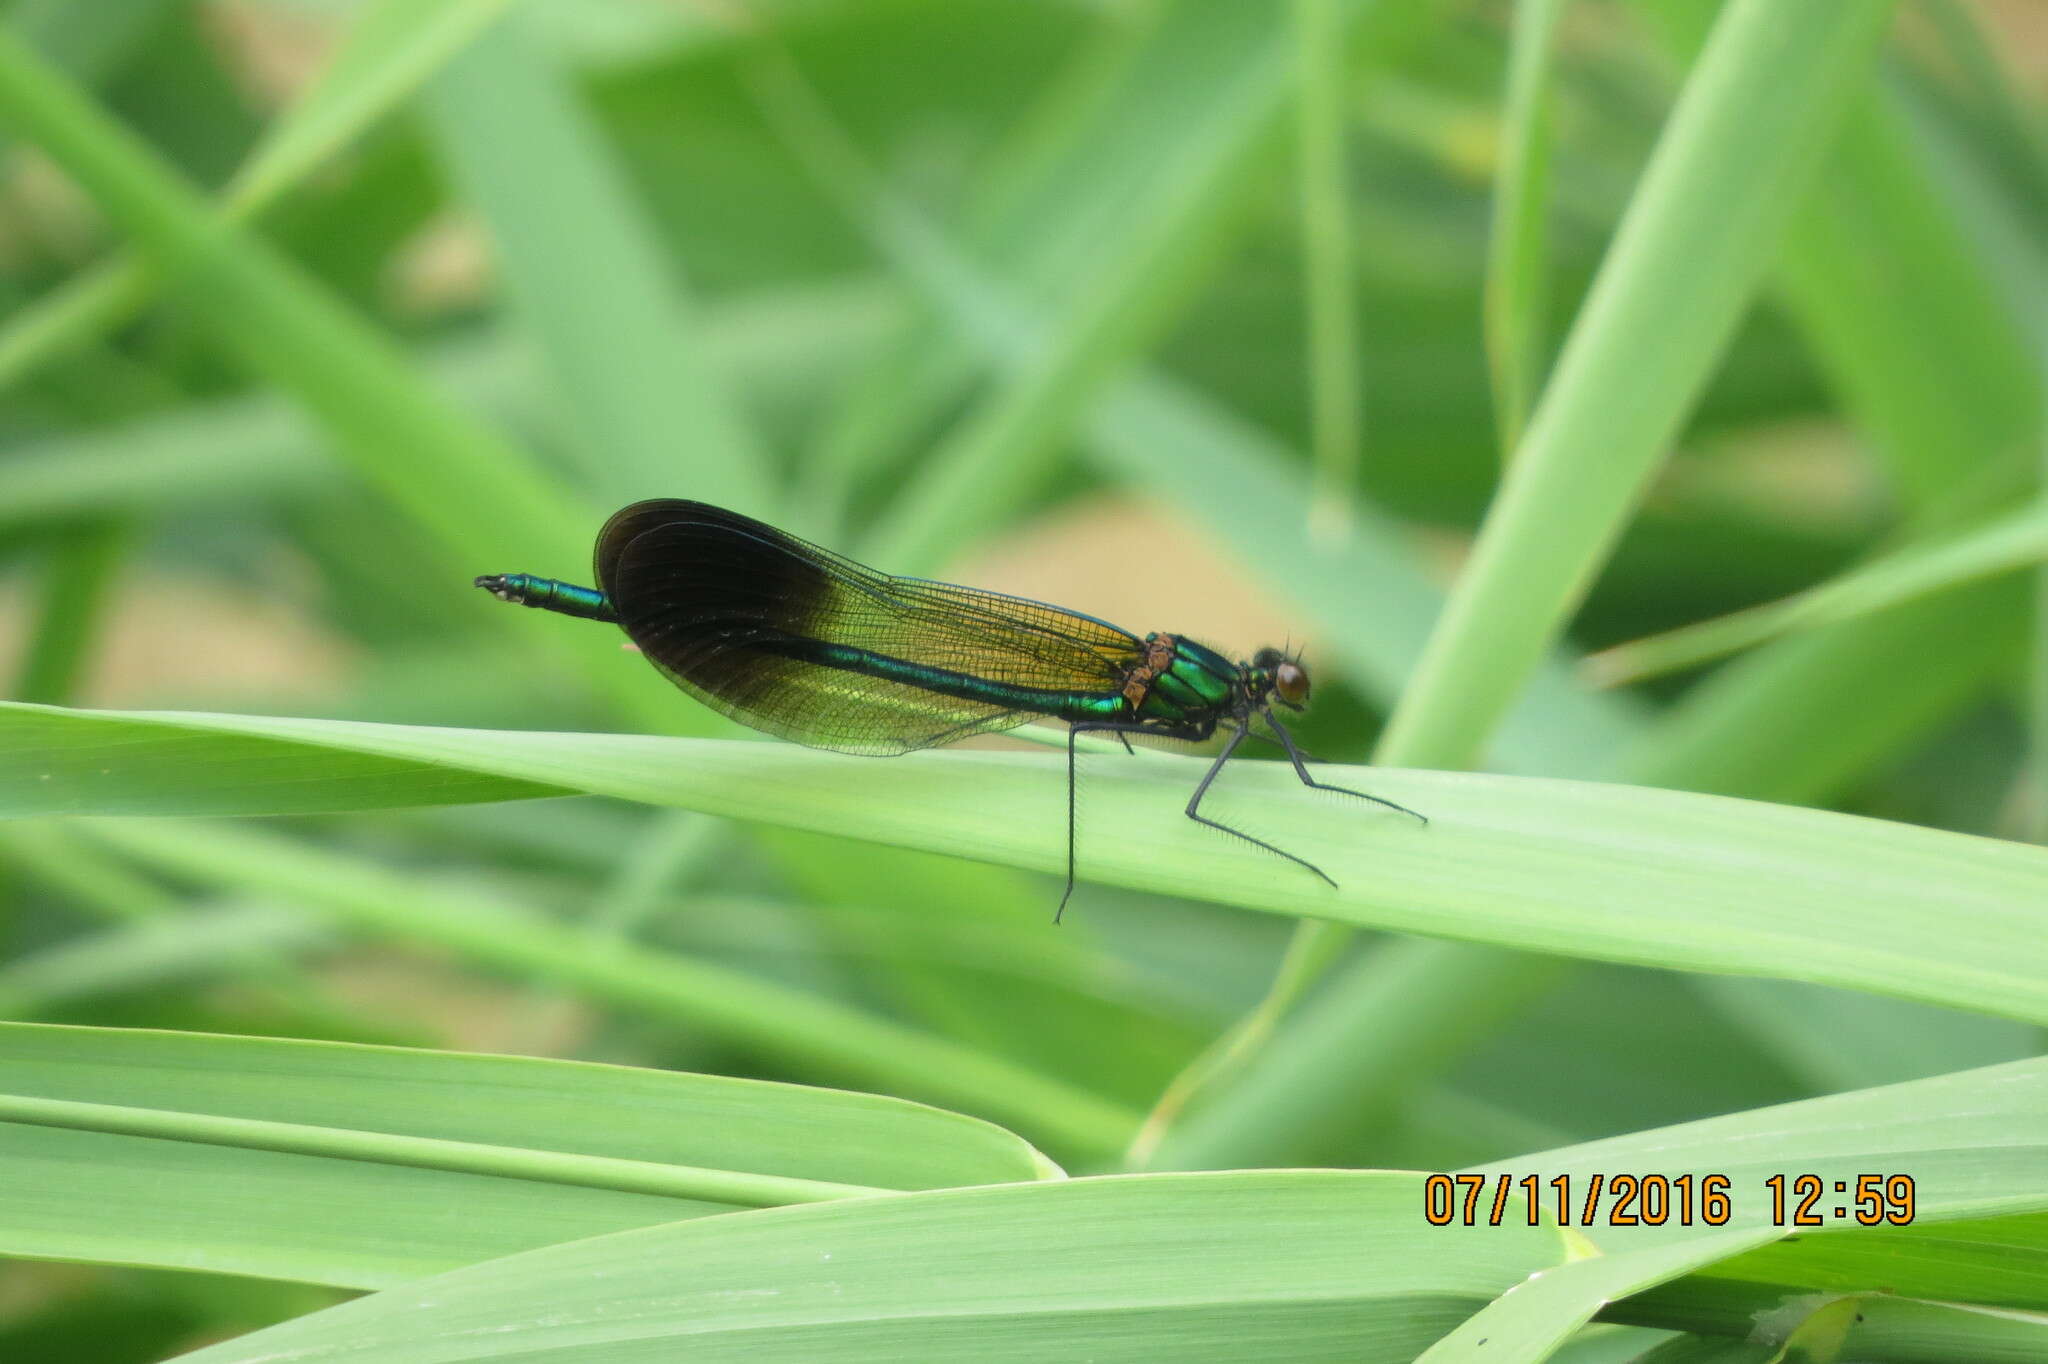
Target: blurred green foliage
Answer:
[[949, 278]]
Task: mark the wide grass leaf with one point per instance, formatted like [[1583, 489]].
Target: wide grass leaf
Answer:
[[1619, 873], [366, 1166], [1296, 1265], [1975, 1144]]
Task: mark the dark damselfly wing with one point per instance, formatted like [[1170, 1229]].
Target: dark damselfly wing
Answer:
[[727, 608]]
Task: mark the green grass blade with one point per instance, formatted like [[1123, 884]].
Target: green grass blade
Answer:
[[1833, 1040], [589, 275], [158, 938], [482, 502], [1422, 1004], [1617, 873], [1997, 1261], [1799, 721], [457, 478], [389, 52], [742, 1189], [258, 446], [1751, 729], [1870, 1324], [335, 1163], [1747, 133], [1145, 264], [1000, 451], [1301, 1264], [1922, 570], [1972, 1142], [1532, 1322], [70, 611], [1975, 1143], [1048, 216], [1937, 374], [168, 950], [1517, 257], [386, 56], [1753, 120], [1371, 598], [2033, 794], [1329, 284]]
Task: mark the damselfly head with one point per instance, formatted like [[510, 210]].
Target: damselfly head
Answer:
[[1286, 676]]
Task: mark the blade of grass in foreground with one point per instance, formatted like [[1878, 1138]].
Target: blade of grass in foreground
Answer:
[[1972, 1142], [1538, 1316], [1295, 1264], [197, 1151], [1619, 873], [1976, 1141]]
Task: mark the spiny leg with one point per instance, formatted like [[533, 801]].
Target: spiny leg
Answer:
[[1295, 756], [1074, 732], [1194, 811]]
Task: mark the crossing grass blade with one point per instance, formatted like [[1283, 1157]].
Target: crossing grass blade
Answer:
[[1612, 872], [1918, 571], [1738, 149]]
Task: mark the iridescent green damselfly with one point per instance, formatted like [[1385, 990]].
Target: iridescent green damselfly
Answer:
[[807, 645]]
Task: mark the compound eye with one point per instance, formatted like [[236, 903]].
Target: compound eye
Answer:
[[1290, 680]]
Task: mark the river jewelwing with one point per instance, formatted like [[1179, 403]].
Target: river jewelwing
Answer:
[[804, 644]]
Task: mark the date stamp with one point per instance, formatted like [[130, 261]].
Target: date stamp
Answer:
[[1627, 1200]]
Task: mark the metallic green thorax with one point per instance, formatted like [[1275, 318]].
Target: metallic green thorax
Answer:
[[1195, 686]]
